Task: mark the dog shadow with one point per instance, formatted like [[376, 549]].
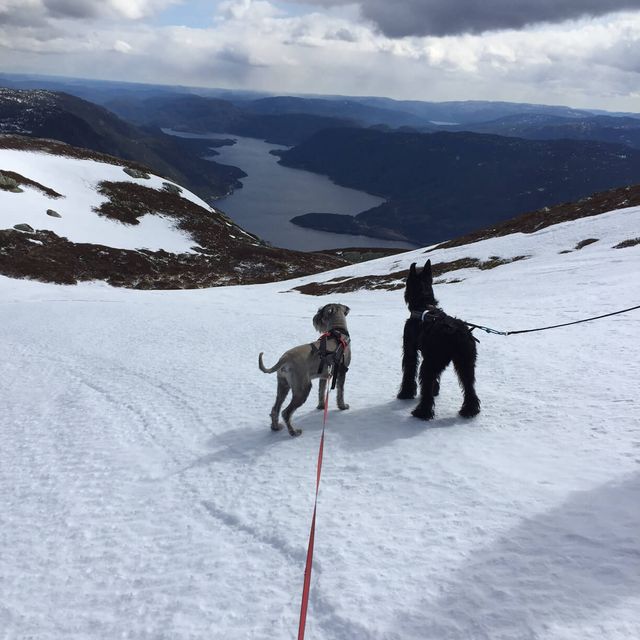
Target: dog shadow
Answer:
[[559, 568], [356, 429], [241, 445], [380, 426]]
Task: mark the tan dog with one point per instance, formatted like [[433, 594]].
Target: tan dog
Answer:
[[298, 366]]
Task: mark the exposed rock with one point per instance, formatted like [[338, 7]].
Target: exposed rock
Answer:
[[12, 182], [53, 214], [7, 183], [23, 226], [171, 188], [136, 173]]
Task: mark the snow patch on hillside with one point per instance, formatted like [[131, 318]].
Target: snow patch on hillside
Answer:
[[77, 181]]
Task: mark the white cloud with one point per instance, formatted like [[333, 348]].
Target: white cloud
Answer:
[[121, 46], [248, 10]]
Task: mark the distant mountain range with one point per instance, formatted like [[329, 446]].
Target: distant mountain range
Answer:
[[344, 109], [278, 118], [206, 115], [536, 126], [441, 185]]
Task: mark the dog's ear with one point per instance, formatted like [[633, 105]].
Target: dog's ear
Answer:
[[426, 272], [412, 269], [345, 309], [317, 320]]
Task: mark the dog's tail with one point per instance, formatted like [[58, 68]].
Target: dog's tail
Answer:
[[275, 367]]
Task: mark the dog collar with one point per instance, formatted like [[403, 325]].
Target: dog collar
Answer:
[[422, 315]]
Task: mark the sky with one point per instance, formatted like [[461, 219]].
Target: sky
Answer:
[[580, 53]]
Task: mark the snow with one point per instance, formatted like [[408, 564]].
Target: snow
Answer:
[[77, 180], [144, 495]]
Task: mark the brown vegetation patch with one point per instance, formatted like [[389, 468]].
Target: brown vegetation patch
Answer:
[[585, 243], [362, 254], [596, 204], [632, 242], [388, 282], [45, 256], [129, 201], [495, 261], [396, 280], [22, 181]]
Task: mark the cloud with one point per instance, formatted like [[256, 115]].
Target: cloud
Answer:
[[247, 9], [121, 46], [254, 44], [35, 12], [21, 13], [399, 18]]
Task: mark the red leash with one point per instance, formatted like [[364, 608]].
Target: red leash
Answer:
[[312, 535]]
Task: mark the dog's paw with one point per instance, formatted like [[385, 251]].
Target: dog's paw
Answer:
[[343, 406], [422, 413], [294, 432], [469, 412], [320, 406], [277, 427], [406, 394]]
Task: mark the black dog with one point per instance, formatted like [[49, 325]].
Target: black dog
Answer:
[[440, 339]]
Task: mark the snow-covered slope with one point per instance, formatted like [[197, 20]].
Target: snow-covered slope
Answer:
[[77, 181], [144, 495]]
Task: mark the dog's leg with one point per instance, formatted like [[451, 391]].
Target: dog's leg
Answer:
[[281, 394], [430, 370], [300, 395], [322, 389], [465, 368], [408, 387], [342, 376]]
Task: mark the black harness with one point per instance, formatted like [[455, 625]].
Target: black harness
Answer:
[[433, 316], [332, 359]]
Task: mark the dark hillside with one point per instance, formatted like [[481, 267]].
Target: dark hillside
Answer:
[[442, 185]]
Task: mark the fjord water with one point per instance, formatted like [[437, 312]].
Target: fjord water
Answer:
[[272, 194]]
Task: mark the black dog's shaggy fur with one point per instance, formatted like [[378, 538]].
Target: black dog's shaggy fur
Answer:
[[440, 339]]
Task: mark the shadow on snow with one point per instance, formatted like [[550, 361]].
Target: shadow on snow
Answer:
[[553, 570]]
